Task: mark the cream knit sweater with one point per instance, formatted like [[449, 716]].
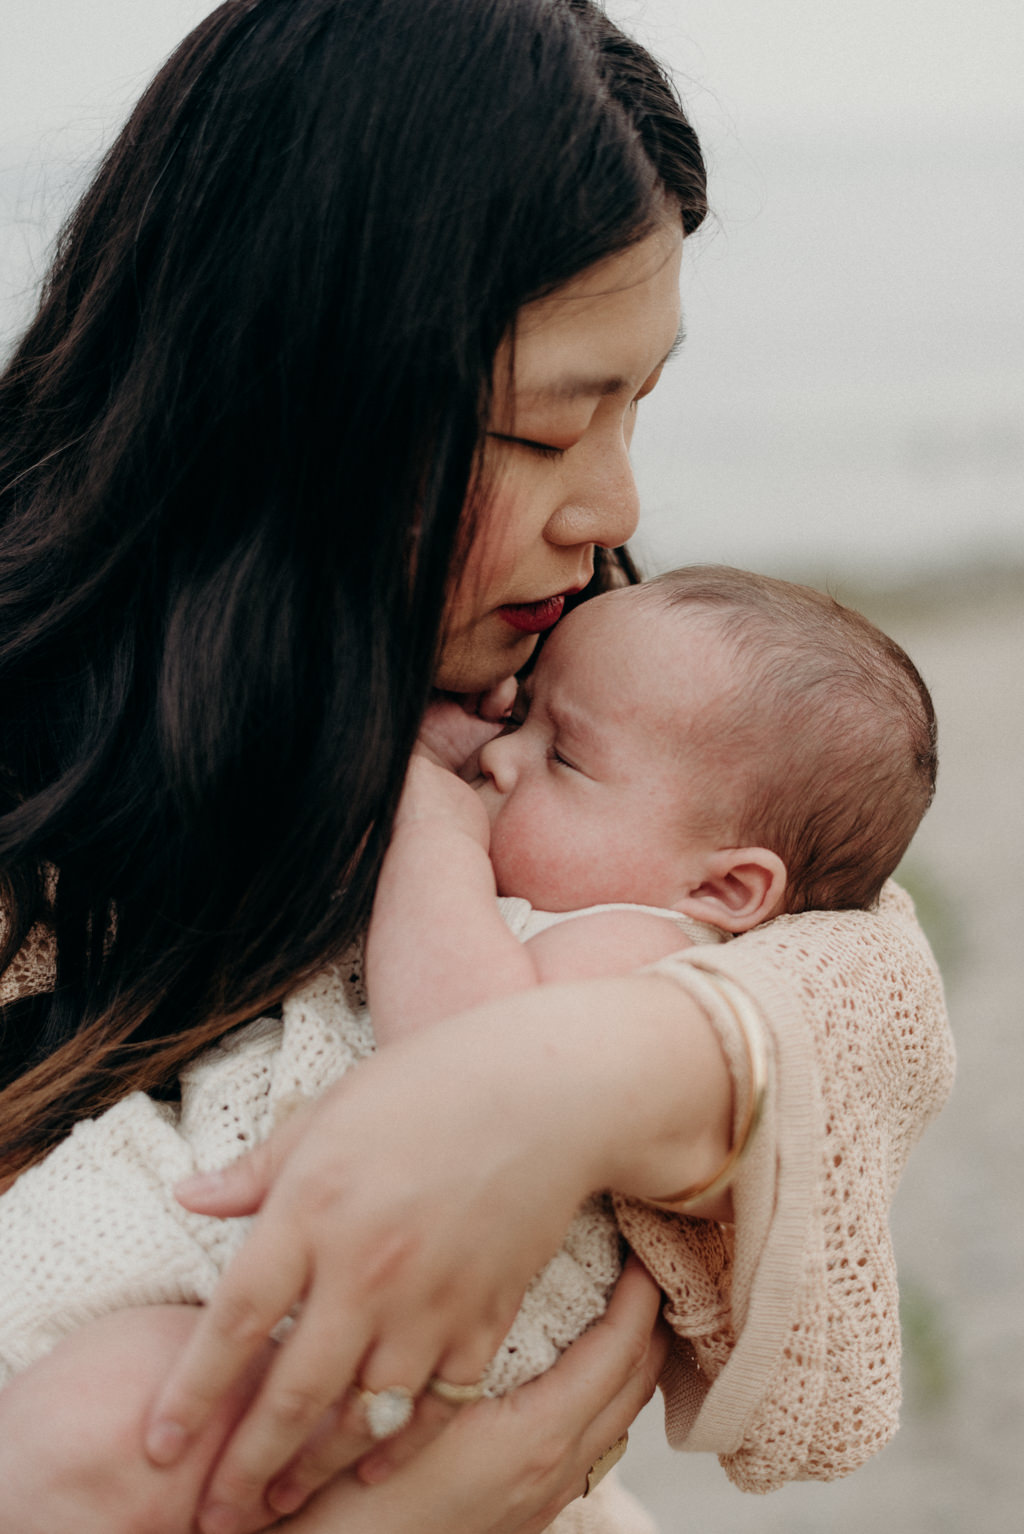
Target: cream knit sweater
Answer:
[[787, 1359]]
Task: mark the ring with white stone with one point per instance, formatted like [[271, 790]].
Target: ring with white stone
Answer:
[[388, 1411], [455, 1395]]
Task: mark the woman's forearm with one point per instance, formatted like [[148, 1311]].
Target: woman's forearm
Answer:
[[638, 1057]]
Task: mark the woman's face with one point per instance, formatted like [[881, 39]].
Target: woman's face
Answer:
[[557, 474]]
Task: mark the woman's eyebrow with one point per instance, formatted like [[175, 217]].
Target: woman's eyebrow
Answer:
[[574, 386]]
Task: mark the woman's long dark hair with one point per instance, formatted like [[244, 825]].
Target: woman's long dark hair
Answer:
[[236, 444]]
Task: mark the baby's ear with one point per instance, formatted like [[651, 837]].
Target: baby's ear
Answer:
[[736, 888]]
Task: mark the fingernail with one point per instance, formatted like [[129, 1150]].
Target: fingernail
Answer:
[[287, 1497], [373, 1471], [200, 1184], [165, 1442], [218, 1518]]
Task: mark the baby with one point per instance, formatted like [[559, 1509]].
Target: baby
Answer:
[[697, 755], [716, 745]]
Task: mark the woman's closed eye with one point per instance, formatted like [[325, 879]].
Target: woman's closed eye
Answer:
[[545, 449]]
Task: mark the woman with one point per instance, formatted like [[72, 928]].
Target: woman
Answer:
[[271, 470]]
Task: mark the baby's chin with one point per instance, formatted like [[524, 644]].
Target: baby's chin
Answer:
[[540, 895]]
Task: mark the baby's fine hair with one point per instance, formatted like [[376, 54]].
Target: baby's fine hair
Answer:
[[827, 739]]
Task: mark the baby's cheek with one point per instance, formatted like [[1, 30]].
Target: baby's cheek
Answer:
[[507, 855], [532, 859]]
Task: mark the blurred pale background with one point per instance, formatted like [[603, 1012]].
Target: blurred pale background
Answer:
[[848, 409]]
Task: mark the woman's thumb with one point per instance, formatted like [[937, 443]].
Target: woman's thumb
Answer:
[[241, 1187]]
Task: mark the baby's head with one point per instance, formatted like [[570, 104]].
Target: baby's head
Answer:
[[715, 741]]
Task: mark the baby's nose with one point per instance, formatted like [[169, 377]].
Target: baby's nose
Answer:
[[497, 761]]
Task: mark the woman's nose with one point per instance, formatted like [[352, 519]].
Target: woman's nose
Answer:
[[601, 504]]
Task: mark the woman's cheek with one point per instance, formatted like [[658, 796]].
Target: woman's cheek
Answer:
[[494, 550]]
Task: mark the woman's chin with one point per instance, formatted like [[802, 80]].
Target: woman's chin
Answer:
[[475, 662]]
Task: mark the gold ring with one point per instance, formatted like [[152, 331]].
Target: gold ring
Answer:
[[388, 1411], [604, 1462], [455, 1395]]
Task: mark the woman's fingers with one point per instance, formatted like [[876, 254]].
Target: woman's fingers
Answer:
[[581, 1407], [614, 1366], [233, 1328], [594, 1392], [632, 1396], [509, 1466], [241, 1187], [296, 1404], [335, 1446], [340, 1440], [297, 1436], [432, 1415]]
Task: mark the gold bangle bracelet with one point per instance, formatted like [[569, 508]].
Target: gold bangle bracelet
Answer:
[[751, 1028], [605, 1462]]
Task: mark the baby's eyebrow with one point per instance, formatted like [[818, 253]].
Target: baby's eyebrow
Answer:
[[570, 720]]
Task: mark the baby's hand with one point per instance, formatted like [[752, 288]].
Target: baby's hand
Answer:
[[434, 794], [456, 726]]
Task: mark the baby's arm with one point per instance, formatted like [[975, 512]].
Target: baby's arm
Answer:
[[437, 943]]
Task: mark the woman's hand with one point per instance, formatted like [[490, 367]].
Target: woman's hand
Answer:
[[71, 1459], [509, 1466], [410, 1206], [407, 1211]]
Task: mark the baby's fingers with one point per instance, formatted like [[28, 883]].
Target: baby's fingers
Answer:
[[499, 702]]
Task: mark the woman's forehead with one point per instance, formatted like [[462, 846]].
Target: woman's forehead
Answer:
[[605, 331]]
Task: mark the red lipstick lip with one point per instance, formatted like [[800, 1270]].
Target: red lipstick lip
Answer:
[[533, 617]]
